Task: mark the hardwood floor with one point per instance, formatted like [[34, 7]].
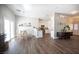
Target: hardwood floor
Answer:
[[44, 45]]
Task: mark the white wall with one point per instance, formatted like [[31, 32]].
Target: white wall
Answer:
[[57, 20], [34, 22], [22, 20], [52, 26], [7, 13]]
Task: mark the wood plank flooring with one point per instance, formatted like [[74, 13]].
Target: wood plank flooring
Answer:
[[45, 45]]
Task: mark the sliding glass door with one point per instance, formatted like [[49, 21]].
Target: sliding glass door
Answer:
[[8, 29]]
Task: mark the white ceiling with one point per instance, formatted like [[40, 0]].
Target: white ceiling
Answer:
[[42, 10]]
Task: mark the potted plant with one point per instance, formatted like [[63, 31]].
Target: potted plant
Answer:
[[66, 28]]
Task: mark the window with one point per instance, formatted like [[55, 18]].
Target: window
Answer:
[[75, 26]]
